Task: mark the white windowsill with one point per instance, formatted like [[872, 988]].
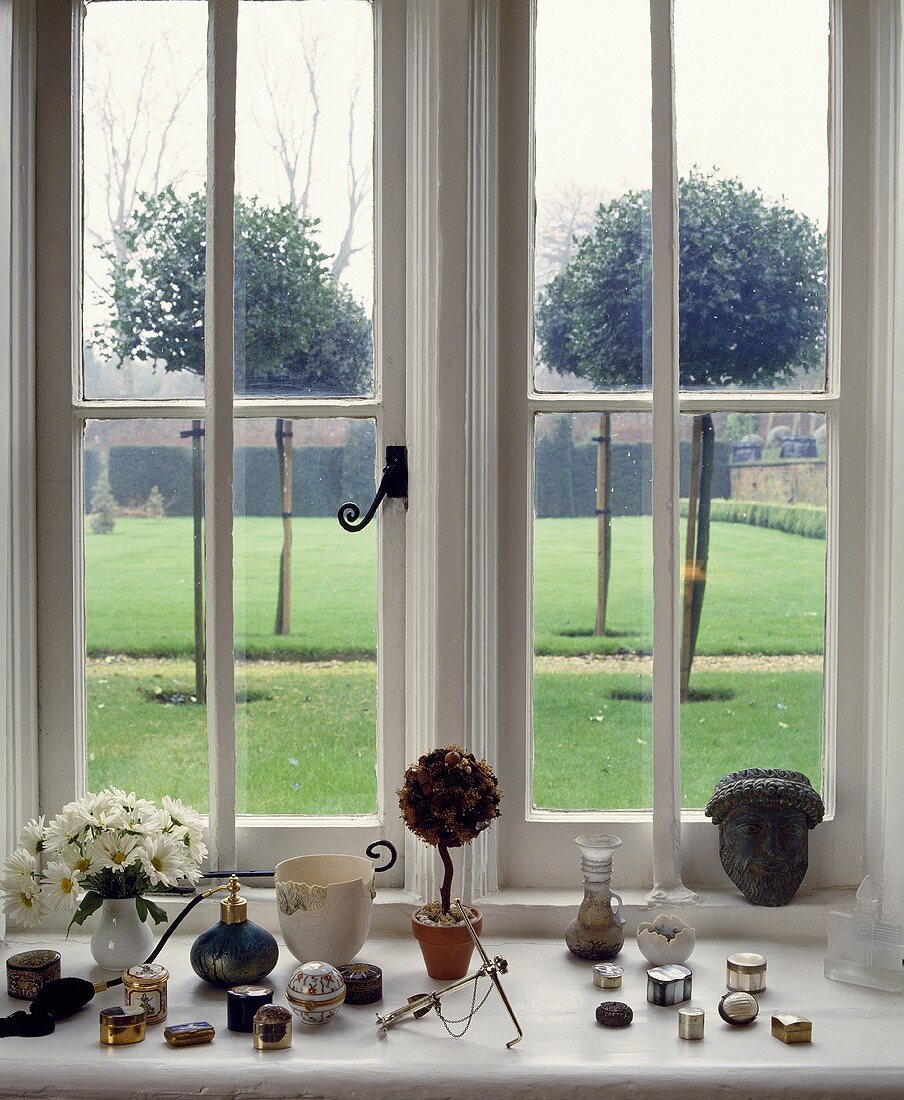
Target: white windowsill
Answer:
[[546, 913], [564, 1052]]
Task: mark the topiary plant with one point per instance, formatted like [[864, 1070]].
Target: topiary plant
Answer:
[[448, 798]]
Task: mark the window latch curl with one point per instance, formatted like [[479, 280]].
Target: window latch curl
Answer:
[[394, 483]]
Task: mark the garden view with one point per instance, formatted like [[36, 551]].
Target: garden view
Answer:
[[752, 319]]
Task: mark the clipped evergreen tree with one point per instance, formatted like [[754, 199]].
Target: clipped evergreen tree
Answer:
[[103, 505], [154, 506]]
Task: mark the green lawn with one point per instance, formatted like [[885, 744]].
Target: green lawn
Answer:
[[307, 746], [593, 752], [306, 741], [310, 746], [765, 589]]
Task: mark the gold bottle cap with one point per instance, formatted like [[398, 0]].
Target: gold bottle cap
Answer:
[[233, 909]]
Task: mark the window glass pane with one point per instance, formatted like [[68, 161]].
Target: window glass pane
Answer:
[[754, 595], [144, 139], [145, 713], [592, 740], [752, 95], [305, 618], [592, 236], [304, 198]]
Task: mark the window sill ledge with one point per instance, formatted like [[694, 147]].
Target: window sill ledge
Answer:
[[564, 1052], [545, 913]]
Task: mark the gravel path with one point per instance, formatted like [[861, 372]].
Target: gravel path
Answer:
[[754, 662]]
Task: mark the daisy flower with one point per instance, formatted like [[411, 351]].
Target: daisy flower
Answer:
[[66, 828], [21, 866], [115, 850], [25, 907], [61, 886], [83, 860], [162, 860], [183, 815], [32, 836]]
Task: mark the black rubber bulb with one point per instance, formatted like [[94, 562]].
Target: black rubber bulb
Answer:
[[26, 1025], [62, 997]]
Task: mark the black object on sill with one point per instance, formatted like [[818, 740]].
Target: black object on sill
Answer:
[[394, 483]]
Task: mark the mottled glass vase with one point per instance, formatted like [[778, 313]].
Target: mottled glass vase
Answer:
[[598, 931]]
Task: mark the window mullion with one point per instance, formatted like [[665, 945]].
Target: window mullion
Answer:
[[667, 883], [219, 401]]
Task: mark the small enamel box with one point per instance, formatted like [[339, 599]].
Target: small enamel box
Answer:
[[28, 972], [189, 1035], [788, 1028]]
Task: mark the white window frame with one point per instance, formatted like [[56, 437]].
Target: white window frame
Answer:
[[466, 318], [669, 847], [245, 840]]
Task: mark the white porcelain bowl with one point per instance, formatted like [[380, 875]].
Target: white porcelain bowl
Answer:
[[666, 939], [325, 904]]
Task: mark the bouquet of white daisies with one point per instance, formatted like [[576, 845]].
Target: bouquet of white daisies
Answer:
[[106, 845]]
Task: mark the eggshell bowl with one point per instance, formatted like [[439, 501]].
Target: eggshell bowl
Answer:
[[660, 949]]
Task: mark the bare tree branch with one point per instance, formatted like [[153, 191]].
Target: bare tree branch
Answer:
[[564, 214]]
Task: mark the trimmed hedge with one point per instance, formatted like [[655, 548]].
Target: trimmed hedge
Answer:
[[565, 476], [795, 519], [322, 477]]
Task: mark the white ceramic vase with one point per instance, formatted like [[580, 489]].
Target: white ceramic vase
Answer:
[[121, 938]]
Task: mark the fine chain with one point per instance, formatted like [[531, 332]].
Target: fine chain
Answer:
[[466, 1020]]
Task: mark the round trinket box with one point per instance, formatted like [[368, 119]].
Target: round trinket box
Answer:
[[745, 972], [608, 976], [272, 1028], [315, 991], [28, 972], [122, 1026], [241, 1004], [739, 1009], [690, 1023], [363, 983], [145, 987], [614, 1014]]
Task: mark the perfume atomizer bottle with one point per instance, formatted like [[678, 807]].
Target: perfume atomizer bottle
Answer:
[[235, 950]]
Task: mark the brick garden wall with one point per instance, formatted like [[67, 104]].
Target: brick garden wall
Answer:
[[802, 482]]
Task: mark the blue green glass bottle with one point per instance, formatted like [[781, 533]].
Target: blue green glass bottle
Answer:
[[235, 950]]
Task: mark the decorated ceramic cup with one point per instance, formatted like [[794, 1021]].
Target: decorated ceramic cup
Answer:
[[325, 905], [316, 991]]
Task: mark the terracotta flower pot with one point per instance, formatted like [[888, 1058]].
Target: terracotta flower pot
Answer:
[[447, 948]]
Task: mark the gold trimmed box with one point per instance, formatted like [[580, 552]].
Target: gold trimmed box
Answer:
[[788, 1028], [28, 972]]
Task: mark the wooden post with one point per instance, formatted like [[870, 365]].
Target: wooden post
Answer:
[[197, 512], [707, 451], [697, 544], [603, 519], [284, 458], [690, 559]]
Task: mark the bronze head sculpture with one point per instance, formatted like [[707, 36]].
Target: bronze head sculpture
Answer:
[[764, 817]]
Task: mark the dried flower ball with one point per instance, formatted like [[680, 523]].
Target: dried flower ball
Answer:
[[449, 796]]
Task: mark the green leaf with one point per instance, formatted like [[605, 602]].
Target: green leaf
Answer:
[[142, 906], [90, 903], [159, 915]]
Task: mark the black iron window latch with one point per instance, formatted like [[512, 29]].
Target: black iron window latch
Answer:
[[394, 483]]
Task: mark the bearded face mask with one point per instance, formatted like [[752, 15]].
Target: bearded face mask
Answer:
[[764, 818]]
